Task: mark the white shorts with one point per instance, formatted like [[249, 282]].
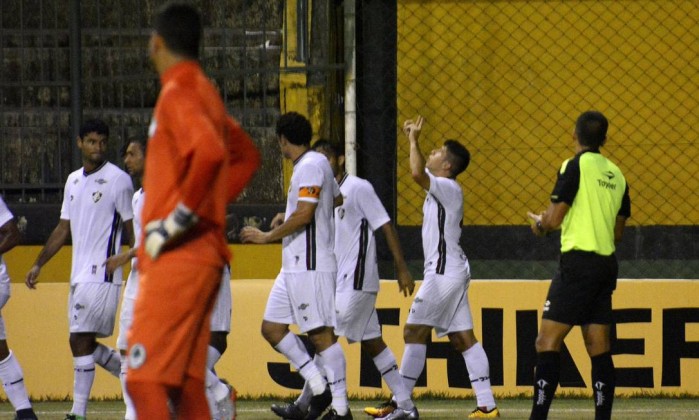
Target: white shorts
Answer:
[[127, 303], [92, 308], [442, 303], [221, 313], [4, 297], [356, 316], [306, 299]]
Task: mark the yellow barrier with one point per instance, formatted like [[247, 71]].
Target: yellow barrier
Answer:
[[659, 320]]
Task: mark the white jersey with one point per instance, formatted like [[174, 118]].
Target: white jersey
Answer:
[[360, 215], [131, 288], [443, 212], [5, 216], [96, 204], [311, 248]]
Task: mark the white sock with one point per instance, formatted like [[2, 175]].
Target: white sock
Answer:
[[83, 376], [479, 374], [212, 357], [292, 347], [304, 400], [130, 409], [386, 363], [412, 364], [13, 382], [333, 361], [108, 358]]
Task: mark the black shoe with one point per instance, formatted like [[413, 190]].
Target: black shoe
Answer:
[[332, 415], [288, 411], [25, 414], [319, 403]]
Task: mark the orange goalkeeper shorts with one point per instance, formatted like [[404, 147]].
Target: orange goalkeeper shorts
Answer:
[[170, 330]]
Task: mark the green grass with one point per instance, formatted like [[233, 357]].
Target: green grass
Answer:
[[511, 408]]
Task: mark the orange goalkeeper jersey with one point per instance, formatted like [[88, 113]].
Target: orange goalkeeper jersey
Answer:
[[196, 155]]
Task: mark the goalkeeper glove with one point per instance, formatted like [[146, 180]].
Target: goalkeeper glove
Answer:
[[160, 232]]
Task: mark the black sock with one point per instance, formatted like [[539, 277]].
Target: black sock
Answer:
[[546, 375], [603, 384]]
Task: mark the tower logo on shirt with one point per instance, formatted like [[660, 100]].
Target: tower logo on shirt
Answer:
[[96, 196]]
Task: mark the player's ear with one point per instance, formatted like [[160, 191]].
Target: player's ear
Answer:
[[341, 160]]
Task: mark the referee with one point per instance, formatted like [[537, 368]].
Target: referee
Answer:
[[590, 203]]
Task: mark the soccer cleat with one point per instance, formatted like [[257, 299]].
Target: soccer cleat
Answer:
[[288, 411], [318, 405], [71, 416], [332, 415], [382, 410], [399, 413], [479, 413], [226, 405], [25, 414]]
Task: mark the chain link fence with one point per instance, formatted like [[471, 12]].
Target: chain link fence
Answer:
[[241, 53], [509, 78]]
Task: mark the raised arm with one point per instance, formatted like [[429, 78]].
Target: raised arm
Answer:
[[412, 130]]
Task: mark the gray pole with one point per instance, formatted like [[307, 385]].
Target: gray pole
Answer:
[[75, 81]]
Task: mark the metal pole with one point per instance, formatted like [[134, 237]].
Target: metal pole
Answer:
[[302, 30], [350, 89], [75, 80]]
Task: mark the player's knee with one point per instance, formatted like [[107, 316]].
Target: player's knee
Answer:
[[416, 333], [374, 346], [272, 332], [82, 344]]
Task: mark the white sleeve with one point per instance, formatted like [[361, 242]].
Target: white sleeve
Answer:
[[5, 213], [371, 206], [309, 175], [65, 207], [123, 195]]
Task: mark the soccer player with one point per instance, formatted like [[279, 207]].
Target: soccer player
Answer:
[[199, 160], [220, 395], [304, 291], [134, 158], [356, 222], [442, 301], [96, 205], [218, 392], [590, 204], [10, 371]]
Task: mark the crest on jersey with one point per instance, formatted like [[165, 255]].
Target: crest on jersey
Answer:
[[101, 181], [341, 213], [137, 356], [96, 196]]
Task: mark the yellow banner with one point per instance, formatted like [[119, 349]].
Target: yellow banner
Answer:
[[657, 347]]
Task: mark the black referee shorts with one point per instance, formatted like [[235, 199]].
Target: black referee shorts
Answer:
[[581, 290]]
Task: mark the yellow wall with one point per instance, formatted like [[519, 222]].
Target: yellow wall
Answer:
[[509, 78], [249, 262], [37, 332]]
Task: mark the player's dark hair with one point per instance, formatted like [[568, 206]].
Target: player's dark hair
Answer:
[[295, 128], [94, 126], [324, 145], [458, 156], [139, 140], [591, 129], [180, 26]]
